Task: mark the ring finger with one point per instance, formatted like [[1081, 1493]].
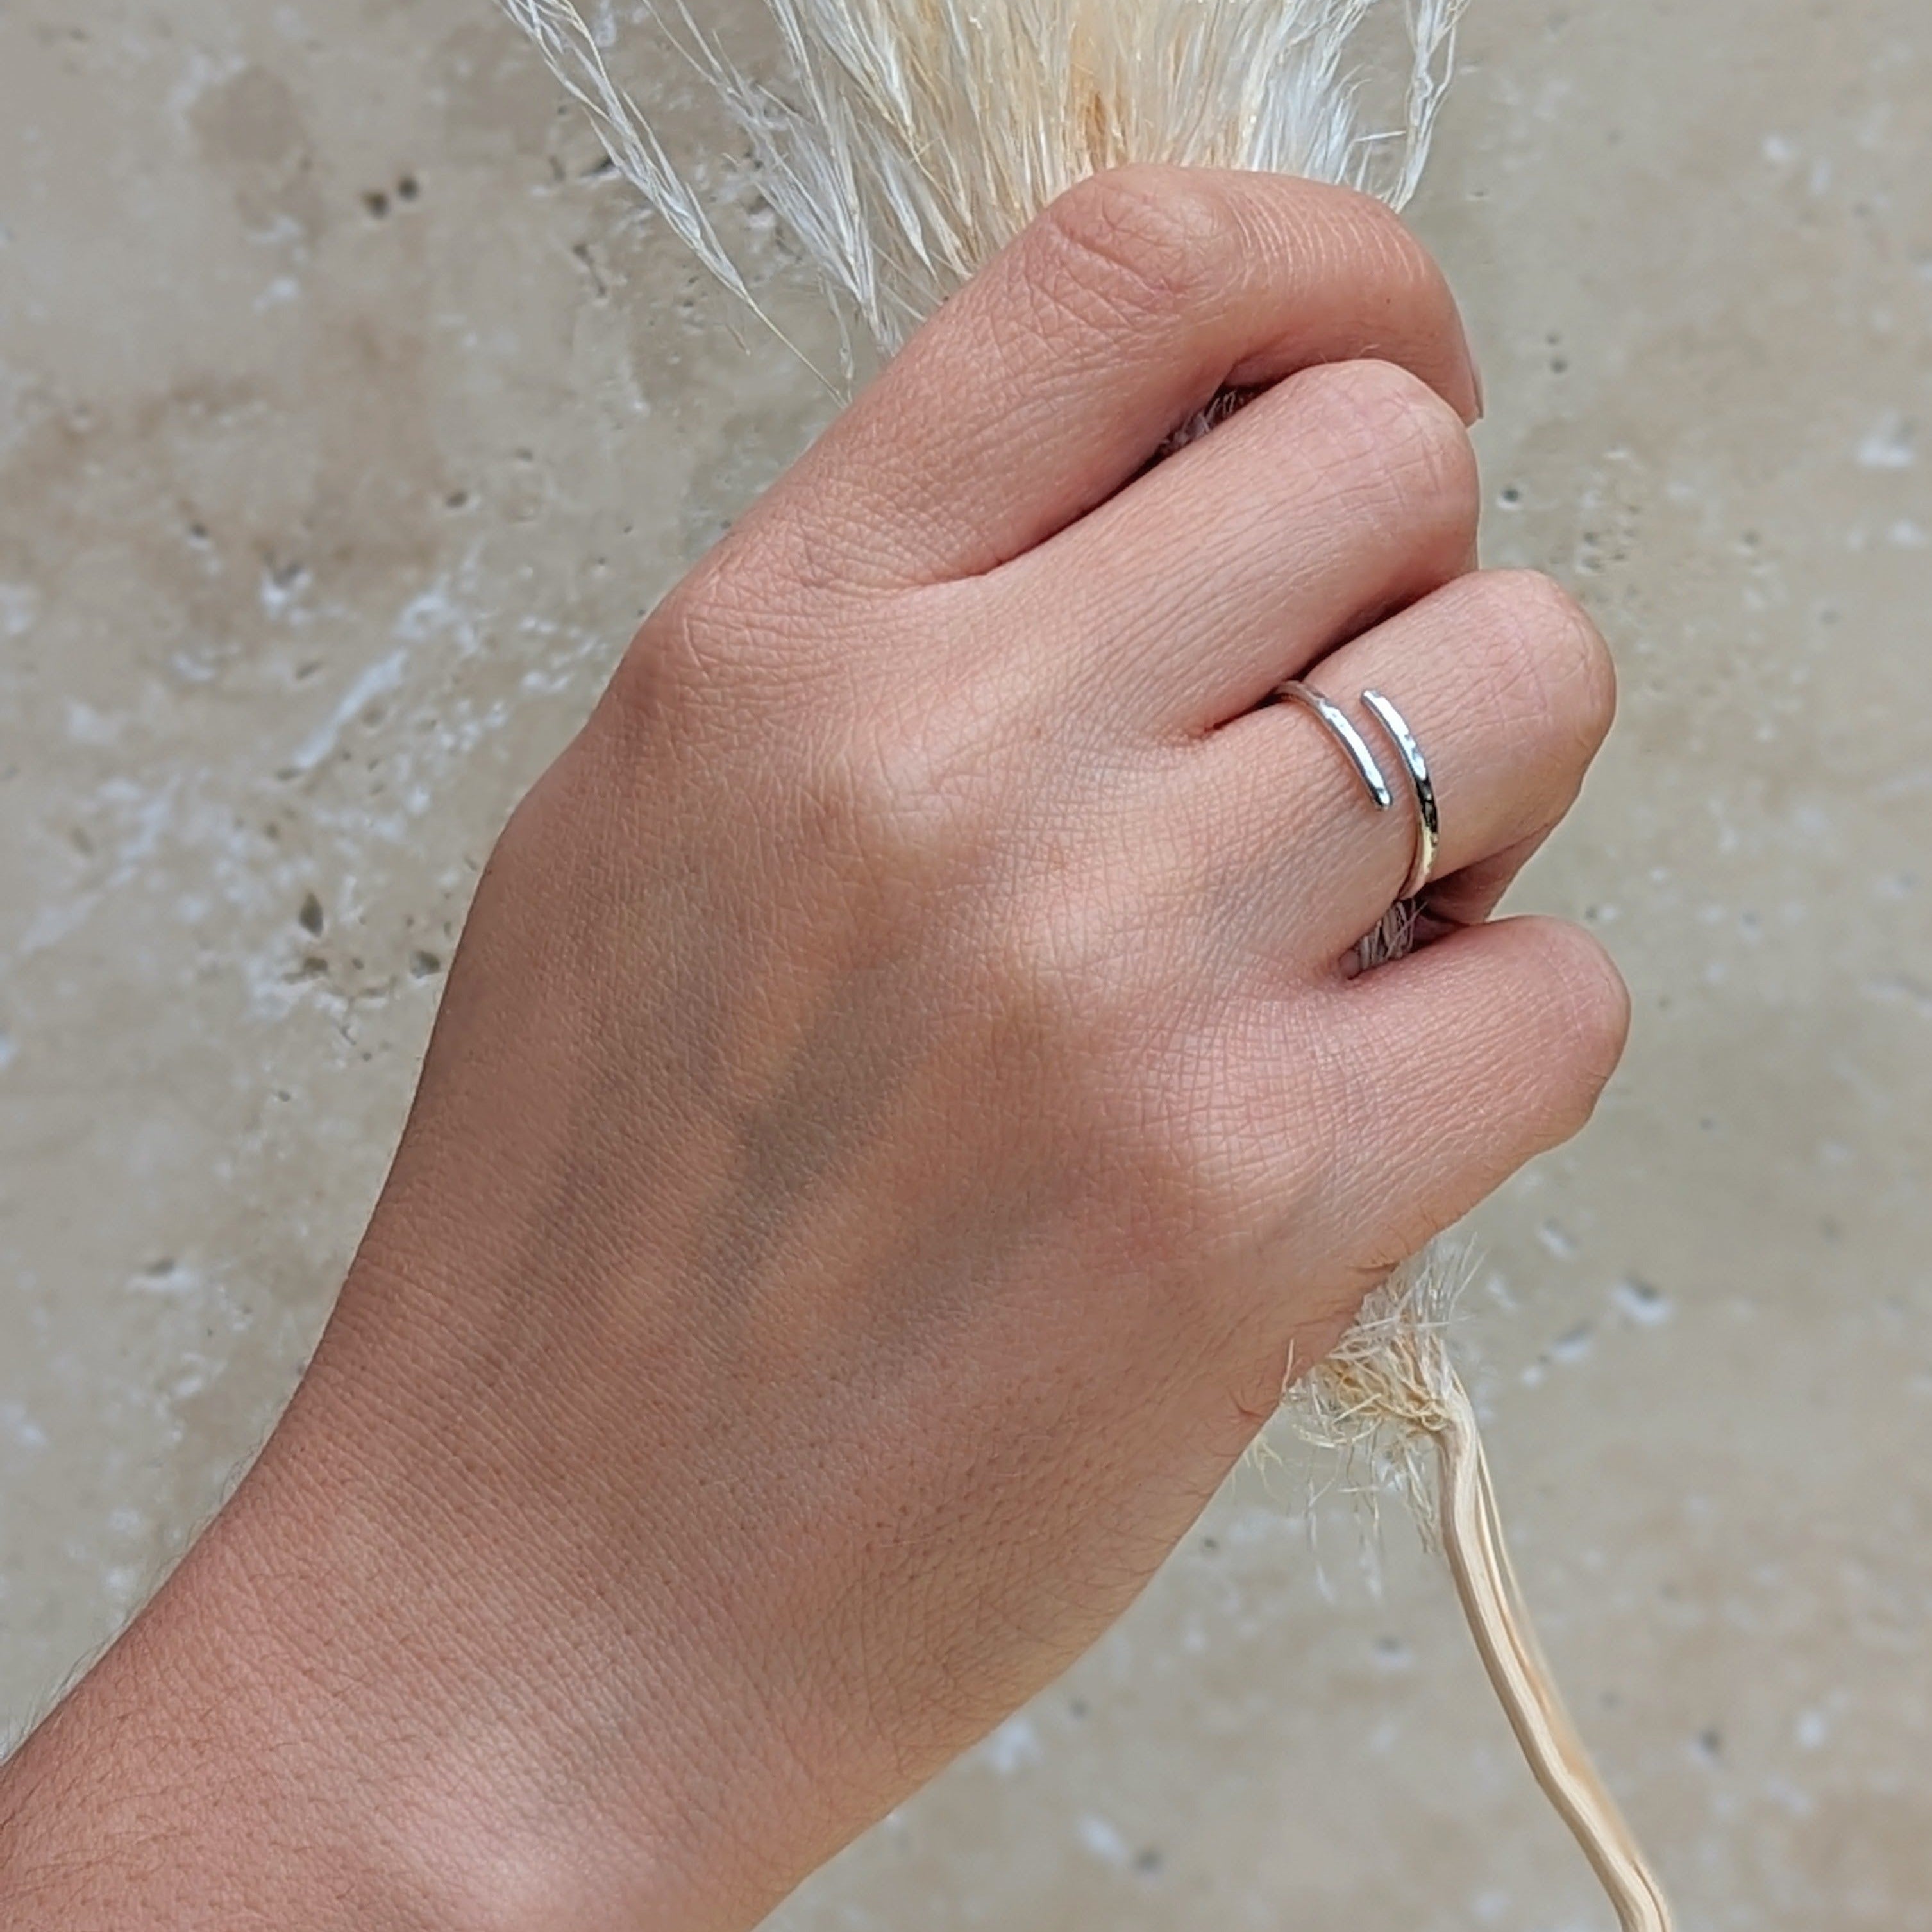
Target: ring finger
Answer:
[[1508, 689]]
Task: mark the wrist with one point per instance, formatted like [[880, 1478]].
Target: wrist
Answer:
[[616, 1679], [416, 1638], [316, 1722], [250, 1751]]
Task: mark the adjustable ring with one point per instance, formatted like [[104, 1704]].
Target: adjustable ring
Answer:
[[1428, 820], [1342, 729]]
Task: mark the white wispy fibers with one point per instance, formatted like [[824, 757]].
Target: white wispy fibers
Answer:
[[905, 142]]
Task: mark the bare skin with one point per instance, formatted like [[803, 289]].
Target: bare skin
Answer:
[[900, 1105]]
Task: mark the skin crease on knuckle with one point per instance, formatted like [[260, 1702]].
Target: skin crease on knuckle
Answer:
[[738, 636], [1342, 237], [1165, 243], [1124, 251], [1553, 651], [1370, 450], [1394, 1184], [1556, 1014], [1590, 1004], [1147, 260], [1398, 454]]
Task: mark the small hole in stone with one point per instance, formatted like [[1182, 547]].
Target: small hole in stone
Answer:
[[376, 203], [408, 188], [310, 915], [424, 965]]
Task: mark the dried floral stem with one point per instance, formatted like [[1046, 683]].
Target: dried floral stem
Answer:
[[1472, 1540]]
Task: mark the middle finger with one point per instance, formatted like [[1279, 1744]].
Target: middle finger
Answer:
[[1508, 688], [1344, 493]]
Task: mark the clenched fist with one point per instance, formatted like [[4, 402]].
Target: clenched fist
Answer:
[[903, 1100]]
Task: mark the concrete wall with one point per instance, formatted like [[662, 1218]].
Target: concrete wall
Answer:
[[349, 419]]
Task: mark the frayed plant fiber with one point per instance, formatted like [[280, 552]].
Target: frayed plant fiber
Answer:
[[905, 144], [909, 141], [1388, 1401]]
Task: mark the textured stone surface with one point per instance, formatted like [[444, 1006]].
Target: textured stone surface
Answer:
[[348, 418]]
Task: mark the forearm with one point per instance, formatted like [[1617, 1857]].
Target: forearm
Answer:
[[288, 1737], [225, 1764], [377, 1696]]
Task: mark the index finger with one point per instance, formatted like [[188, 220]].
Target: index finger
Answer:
[[1059, 371]]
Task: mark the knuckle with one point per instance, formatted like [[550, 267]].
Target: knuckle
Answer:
[[733, 645], [1134, 242], [1393, 435], [1372, 244], [655, 701], [1586, 1010], [1373, 231], [1350, 237], [1556, 655], [906, 800], [869, 790], [681, 649]]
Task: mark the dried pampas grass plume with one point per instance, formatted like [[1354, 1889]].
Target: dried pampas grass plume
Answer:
[[908, 142], [913, 139]]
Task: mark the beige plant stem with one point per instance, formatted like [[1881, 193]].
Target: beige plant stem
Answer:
[[1472, 1540], [908, 141]]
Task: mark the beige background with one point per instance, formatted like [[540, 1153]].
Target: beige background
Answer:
[[348, 418]]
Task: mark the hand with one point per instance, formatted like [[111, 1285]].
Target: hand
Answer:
[[902, 1103]]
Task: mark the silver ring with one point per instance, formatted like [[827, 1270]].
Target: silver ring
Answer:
[[1428, 820], [1342, 729]]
